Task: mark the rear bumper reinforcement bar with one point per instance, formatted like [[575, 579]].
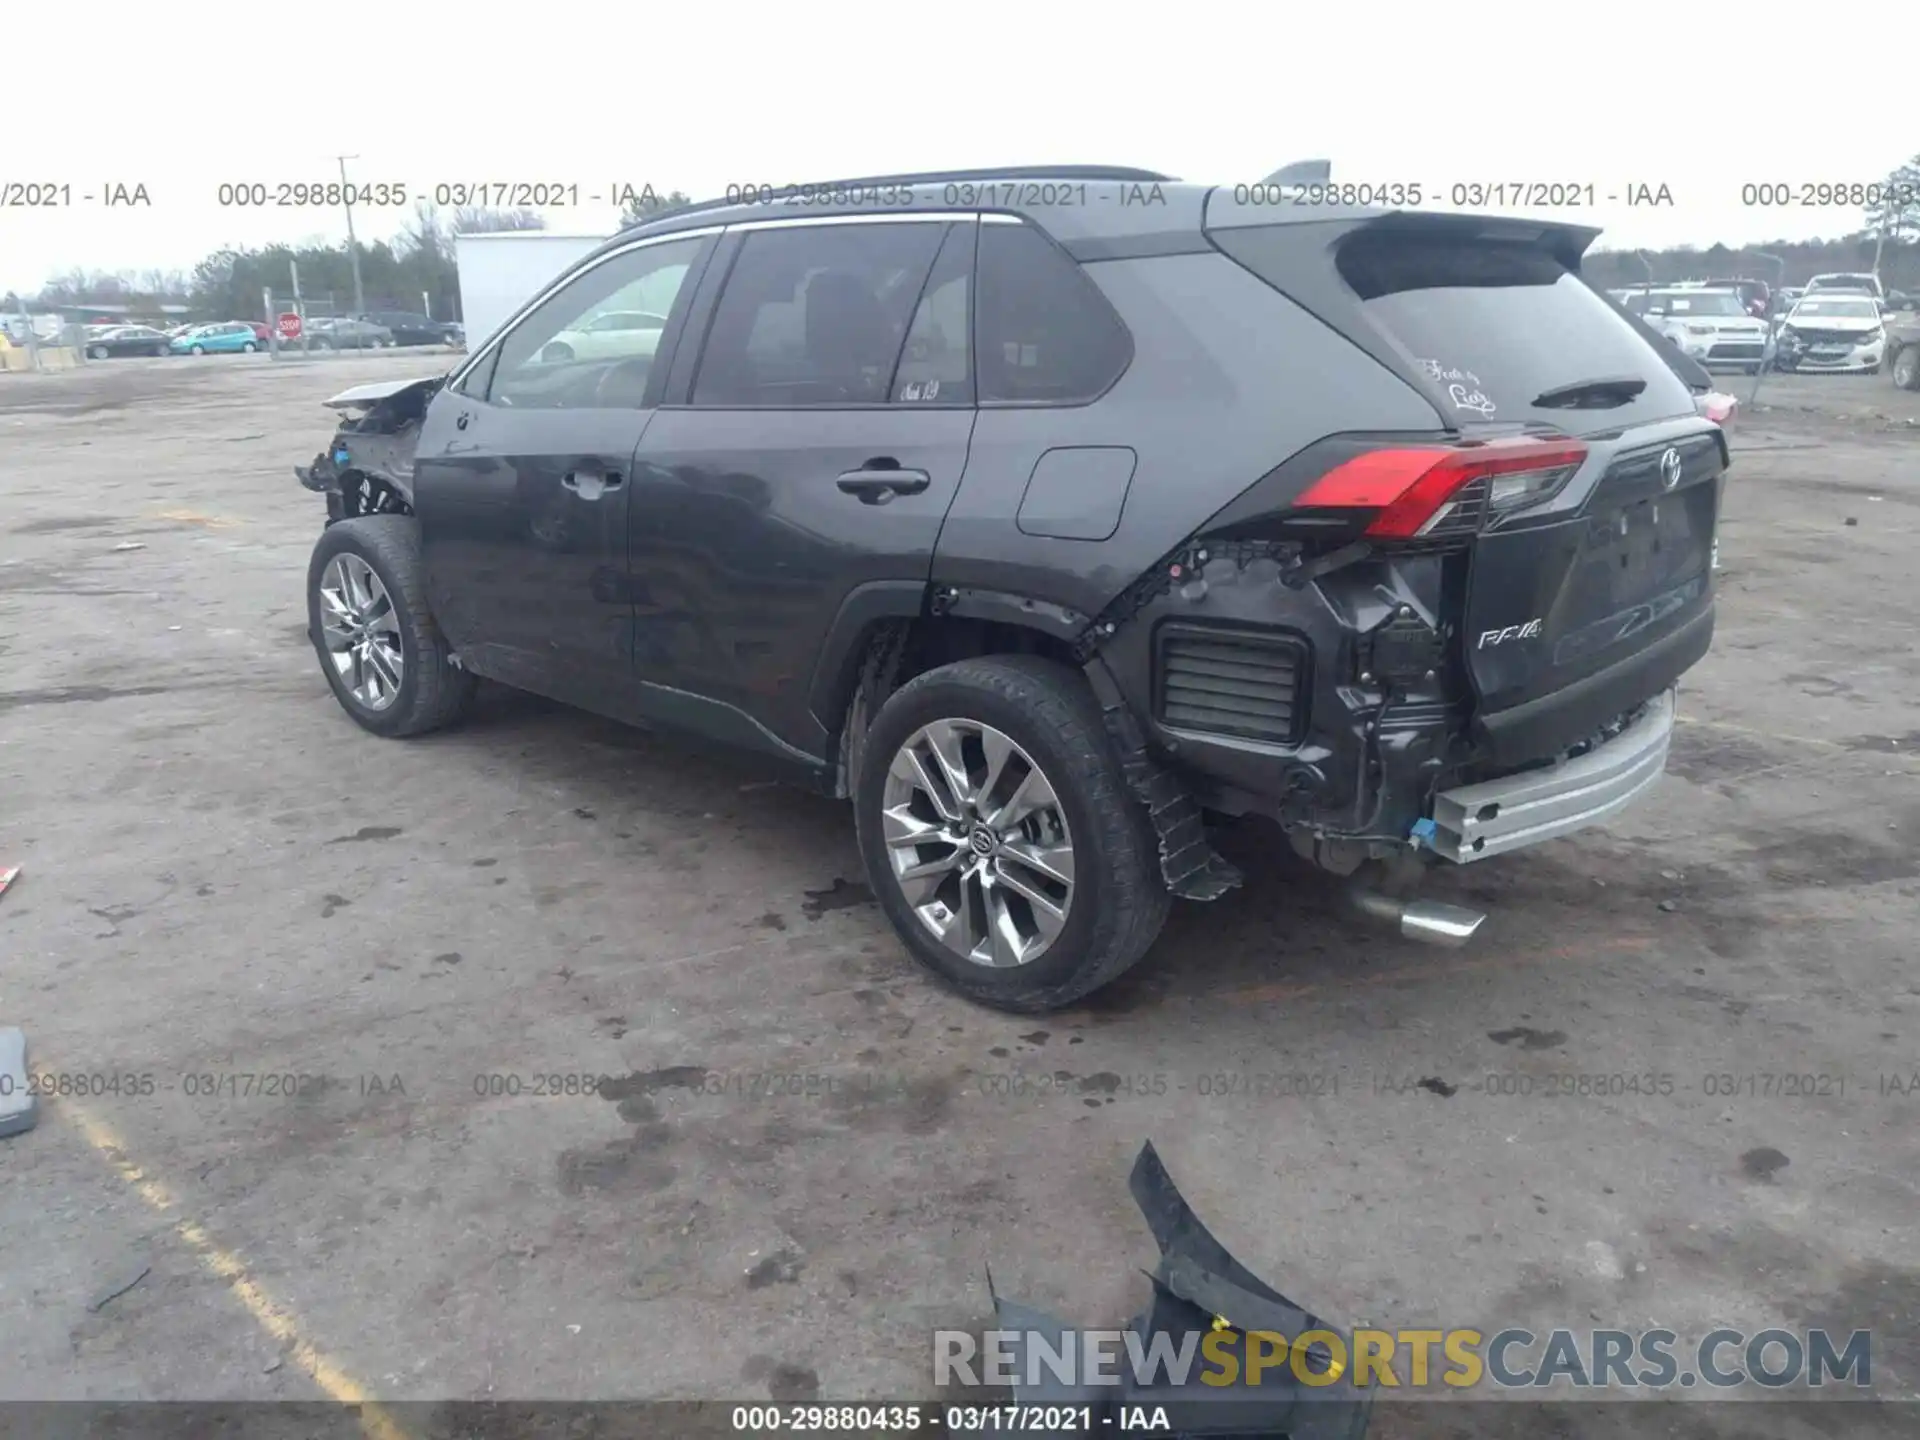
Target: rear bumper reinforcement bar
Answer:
[[1475, 822]]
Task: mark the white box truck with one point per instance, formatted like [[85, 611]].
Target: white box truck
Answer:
[[500, 272]]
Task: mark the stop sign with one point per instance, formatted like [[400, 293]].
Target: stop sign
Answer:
[[289, 326]]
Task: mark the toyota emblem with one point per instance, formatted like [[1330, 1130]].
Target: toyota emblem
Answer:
[[1670, 468]]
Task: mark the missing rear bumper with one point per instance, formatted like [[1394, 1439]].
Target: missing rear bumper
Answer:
[[1476, 822]]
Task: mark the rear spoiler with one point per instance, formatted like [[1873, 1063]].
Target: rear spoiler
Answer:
[[1568, 244]]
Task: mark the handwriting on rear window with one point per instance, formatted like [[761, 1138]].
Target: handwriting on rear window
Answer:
[[1463, 386]]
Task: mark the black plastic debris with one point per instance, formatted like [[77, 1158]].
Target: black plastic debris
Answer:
[[1199, 1290]]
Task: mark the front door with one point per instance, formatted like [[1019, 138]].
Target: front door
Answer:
[[813, 446], [523, 479]]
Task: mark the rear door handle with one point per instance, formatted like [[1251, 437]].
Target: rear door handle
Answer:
[[877, 487], [589, 486]]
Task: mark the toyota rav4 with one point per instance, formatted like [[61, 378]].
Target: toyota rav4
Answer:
[[1046, 529]]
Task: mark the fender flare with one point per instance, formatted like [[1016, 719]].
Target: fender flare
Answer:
[[837, 669]]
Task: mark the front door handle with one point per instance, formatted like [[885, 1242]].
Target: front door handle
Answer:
[[877, 487], [589, 486]]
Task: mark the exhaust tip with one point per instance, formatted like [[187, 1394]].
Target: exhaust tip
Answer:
[[1434, 923]]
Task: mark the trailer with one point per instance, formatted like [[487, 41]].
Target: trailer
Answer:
[[500, 272]]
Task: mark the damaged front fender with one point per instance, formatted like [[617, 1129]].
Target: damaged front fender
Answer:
[[367, 469]]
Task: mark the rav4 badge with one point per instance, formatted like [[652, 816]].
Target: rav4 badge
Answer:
[[1513, 632]]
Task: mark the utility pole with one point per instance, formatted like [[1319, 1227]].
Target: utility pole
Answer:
[[353, 247]]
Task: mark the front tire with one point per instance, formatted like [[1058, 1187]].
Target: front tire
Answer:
[[1000, 838], [367, 614], [98, 352]]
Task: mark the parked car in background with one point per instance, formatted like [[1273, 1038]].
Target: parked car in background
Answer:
[[1755, 295], [409, 327], [1710, 326], [1833, 331], [229, 337], [1903, 350], [617, 334], [119, 340], [1848, 280], [344, 334]]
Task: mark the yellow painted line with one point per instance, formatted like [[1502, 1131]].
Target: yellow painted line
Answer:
[[195, 517], [272, 1317]]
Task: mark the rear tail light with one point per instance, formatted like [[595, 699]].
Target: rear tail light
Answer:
[[1434, 491]]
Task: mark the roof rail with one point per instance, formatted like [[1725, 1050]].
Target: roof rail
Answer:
[[934, 177]]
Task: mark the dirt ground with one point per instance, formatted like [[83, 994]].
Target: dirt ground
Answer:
[[225, 882]]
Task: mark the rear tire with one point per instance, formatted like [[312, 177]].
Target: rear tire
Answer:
[[1906, 367], [432, 692], [249, 347], [1117, 901]]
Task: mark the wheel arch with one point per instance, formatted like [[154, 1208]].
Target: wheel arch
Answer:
[[887, 632]]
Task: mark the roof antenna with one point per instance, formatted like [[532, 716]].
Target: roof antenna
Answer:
[[1301, 172]]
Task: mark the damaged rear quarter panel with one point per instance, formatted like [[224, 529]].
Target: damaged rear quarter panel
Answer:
[[1229, 378]]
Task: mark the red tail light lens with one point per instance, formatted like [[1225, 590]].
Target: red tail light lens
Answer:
[[1416, 491]]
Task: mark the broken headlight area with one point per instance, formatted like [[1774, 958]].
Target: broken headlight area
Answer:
[[367, 468], [1254, 1365]]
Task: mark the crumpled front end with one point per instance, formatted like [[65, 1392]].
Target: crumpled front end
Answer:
[[367, 468]]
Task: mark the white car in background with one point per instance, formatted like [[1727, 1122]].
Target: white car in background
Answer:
[[614, 335], [1833, 331], [1710, 326], [1848, 280]]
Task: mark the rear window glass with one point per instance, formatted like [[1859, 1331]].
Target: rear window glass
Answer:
[[1493, 325]]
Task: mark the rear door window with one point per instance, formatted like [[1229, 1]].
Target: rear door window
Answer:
[[815, 315], [1493, 325], [936, 368]]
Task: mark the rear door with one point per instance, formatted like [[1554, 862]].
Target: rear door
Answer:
[[812, 446]]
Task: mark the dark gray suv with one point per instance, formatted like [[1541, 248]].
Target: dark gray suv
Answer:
[[1048, 514]]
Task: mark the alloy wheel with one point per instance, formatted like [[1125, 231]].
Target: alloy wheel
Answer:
[[362, 632], [978, 843]]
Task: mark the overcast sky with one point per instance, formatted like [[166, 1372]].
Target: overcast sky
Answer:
[[183, 97]]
